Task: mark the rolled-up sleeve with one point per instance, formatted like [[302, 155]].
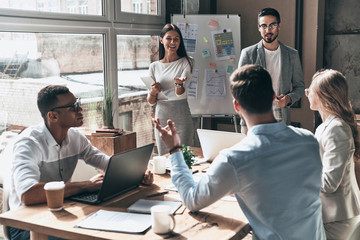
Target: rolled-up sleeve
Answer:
[[93, 156], [217, 182], [25, 169]]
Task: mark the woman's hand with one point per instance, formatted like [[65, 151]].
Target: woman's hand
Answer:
[[180, 80], [155, 88], [179, 85]]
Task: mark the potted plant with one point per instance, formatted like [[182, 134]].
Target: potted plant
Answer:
[[108, 116], [188, 155]]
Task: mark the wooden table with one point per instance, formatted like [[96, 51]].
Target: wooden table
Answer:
[[221, 220]]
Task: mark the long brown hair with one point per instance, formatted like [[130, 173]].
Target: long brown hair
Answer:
[[331, 88], [181, 52]]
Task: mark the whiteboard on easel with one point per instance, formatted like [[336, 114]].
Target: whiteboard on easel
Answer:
[[214, 41]]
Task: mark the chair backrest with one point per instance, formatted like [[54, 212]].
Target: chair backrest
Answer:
[[5, 207], [3, 120], [5, 159]]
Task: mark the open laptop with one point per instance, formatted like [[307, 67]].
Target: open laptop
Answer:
[[213, 141], [124, 172]]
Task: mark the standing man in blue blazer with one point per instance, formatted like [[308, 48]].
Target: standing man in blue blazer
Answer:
[[281, 61]]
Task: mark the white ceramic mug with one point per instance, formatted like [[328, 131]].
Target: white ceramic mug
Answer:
[[162, 219], [159, 165]]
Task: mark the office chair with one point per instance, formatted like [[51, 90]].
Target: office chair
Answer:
[[6, 167]]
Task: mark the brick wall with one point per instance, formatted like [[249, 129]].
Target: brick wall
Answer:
[[18, 99], [141, 117]]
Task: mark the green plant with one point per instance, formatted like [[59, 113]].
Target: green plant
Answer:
[[108, 115], [188, 155]]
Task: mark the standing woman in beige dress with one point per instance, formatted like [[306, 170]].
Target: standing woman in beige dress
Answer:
[[172, 75], [339, 142]]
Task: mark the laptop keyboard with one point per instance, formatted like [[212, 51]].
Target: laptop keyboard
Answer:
[[87, 196]]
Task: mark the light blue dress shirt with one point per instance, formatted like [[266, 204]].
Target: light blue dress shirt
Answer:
[[275, 174]]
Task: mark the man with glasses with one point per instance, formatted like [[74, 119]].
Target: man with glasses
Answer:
[[281, 61], [50, 151]]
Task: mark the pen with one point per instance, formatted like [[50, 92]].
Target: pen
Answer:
[[157, 194]]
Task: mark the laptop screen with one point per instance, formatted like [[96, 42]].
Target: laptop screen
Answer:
[[125, 171], [213, 141]]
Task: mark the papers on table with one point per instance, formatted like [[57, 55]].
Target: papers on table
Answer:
[[171, 187], [144, 206], [117, 221], [128, 222]]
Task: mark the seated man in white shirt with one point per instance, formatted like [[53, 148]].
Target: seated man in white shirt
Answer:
[[50, 151], [274, 172]]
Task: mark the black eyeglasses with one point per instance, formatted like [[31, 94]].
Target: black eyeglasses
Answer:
[[271, 26], [74, 107]]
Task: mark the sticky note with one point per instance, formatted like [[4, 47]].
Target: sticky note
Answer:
[[230, 69], [205, 52], [205, 39], [213, 23]]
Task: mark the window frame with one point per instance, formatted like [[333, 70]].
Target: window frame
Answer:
[[111, 24], [128, 17]]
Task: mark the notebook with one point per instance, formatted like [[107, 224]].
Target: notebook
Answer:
[[213, 141], [148, 81], [124, 172], [144, 205]]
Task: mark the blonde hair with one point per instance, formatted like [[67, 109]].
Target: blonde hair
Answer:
[[331, 88]]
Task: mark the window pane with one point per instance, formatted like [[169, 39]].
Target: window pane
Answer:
[[31, 61], [85, 7], [135, 53], [140, 6]]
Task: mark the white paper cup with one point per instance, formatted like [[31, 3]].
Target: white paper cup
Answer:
[[55, 195], [161, 219], [159, 165]]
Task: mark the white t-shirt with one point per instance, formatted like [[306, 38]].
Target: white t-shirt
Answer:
[[273, 65]]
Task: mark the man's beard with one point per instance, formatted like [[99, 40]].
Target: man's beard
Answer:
[[271, 39]]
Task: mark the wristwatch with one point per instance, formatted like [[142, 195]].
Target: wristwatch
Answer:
[[179, 85]]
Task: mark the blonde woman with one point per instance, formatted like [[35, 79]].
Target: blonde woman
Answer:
[[339, 142]]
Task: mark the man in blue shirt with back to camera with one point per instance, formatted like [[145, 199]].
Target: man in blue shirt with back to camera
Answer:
[[274, 172]]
